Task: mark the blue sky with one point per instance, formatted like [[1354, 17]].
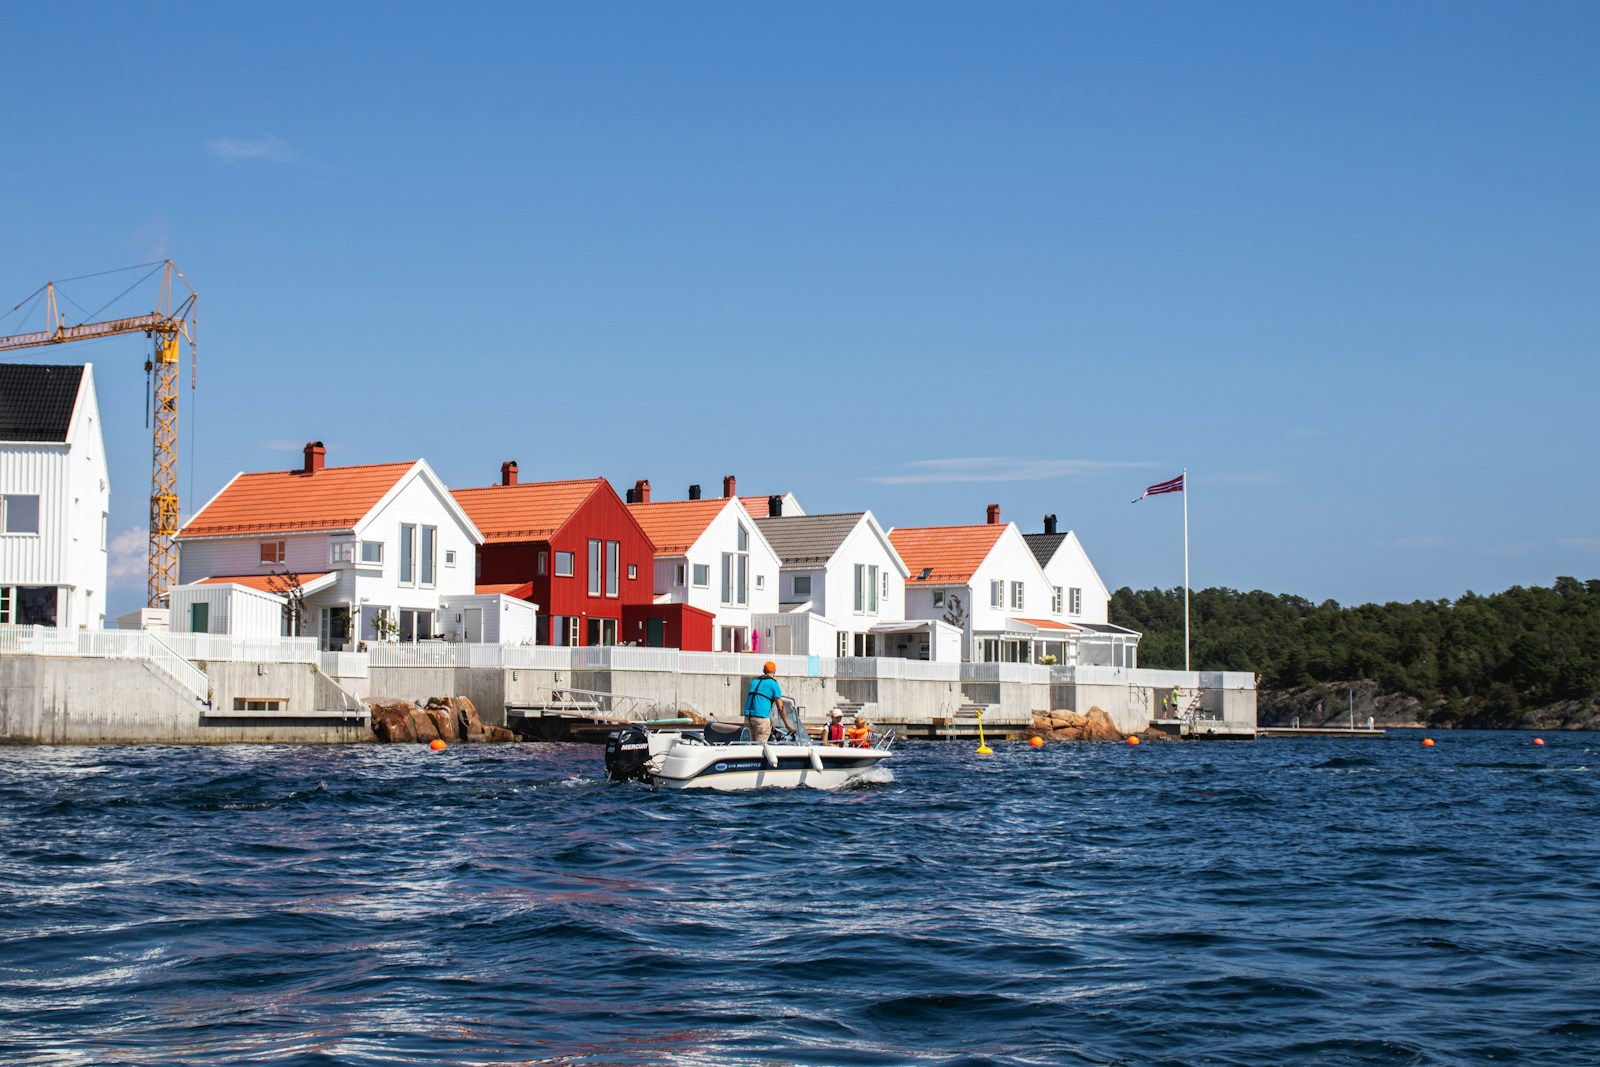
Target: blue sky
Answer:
[[1342, 262]]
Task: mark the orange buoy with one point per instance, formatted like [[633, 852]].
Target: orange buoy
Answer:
[[437, 744], [1132, 740], [1038, 742], [1427, 742], [1539, 741]]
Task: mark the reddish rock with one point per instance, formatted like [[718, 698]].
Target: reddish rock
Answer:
[[1099, 727]]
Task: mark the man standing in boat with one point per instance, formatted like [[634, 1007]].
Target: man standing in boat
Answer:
[[761, 701]]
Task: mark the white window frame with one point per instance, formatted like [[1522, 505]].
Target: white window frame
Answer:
[[702, 576], [1055, 600], [273, 552], [677, 574], [596, 554], [1075, 601], [341, 552], [613, 569], [372, 552], [997, 593], [428, 557], [570, 561], [6, 504], [795, 585], [408, 554], [1017, 597], [938, 598]]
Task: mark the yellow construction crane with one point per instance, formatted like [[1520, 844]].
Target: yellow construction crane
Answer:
[[164, 326]]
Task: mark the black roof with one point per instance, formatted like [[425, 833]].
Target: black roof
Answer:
[[1044, 545], [36, 401]]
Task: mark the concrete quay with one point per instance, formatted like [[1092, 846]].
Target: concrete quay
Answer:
[[222, 694]]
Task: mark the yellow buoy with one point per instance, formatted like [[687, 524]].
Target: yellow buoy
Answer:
[[1132, 740], [1036, 742], [983, 747], [437, 744]]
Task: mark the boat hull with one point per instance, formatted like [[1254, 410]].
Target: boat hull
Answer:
[[750, 766]]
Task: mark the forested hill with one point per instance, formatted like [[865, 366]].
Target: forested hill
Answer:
[[1479, 660]]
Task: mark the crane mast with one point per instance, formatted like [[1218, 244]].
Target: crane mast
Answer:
[[164, 327]]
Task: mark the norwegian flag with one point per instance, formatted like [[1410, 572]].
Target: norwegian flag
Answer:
[[1173, 486]]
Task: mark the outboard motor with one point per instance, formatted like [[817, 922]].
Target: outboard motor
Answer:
[[627, 752]]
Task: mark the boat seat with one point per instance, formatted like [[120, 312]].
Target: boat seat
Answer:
[[719, 734]]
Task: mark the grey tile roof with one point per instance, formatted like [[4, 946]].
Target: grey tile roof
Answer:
[[36, 401], [807, 539], [1044, 545]]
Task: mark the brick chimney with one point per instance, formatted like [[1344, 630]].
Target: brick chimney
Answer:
[[728, 485], [641, 491], [694, 492], [508, 472], [775, 507], [315, 454], [1049, 524], [994, 514]]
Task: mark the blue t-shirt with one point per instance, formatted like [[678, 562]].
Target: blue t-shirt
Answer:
[[763, 693]]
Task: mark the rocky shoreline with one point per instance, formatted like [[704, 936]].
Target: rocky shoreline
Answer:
[[1335, 704], [447, 719]]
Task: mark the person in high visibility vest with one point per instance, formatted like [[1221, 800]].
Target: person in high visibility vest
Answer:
[[833, 730], [860, 733]]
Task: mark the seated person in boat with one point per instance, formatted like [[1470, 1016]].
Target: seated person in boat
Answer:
[[860, 733], [833, 729], [760, 702]]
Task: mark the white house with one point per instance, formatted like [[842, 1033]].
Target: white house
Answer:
[[375, 551], [54, 496], [841, 581], [986, 581], [1082, 600], [711, 555]]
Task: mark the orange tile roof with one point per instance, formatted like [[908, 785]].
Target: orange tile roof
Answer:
[[261, 582], [674, 525], [953, 552], [334, 498], [532, 511], [521, 592], [1047, 624], [758, 506]]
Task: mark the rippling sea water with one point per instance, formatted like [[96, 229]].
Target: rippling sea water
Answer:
[[1288, 901]]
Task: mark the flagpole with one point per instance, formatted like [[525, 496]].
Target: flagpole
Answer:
[[1185, 567]]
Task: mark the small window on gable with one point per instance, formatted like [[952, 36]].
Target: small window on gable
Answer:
[[563, 564], [633, 571], [449, 557], [272, 551], [702, 575], [802, 585]]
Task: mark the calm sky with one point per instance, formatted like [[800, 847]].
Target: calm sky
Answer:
[[1340, 261]]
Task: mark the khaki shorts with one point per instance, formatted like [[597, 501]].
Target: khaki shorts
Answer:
[[760, 728]]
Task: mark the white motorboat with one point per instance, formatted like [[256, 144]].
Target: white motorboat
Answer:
[[717, 756]]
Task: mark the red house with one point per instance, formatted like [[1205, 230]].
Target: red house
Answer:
[[571, 547]]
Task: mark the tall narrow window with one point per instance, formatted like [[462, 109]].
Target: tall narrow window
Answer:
[[613, 561], [997, 594], [1016, 596], [736, 571], [872, 591], [1075, 603], [861, 592], [594, 568], [429, 554], [1055, 600], [408, 554], [543, 564]]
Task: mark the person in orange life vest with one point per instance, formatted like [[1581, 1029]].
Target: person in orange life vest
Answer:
[[860, 734], [761, 701], [833, 730]]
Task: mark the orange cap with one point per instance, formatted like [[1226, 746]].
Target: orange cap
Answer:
[[769, 667]]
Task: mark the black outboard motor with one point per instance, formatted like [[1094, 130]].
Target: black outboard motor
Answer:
[[627, 751]]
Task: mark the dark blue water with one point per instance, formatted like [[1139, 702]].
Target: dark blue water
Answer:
[[1288, 901]]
